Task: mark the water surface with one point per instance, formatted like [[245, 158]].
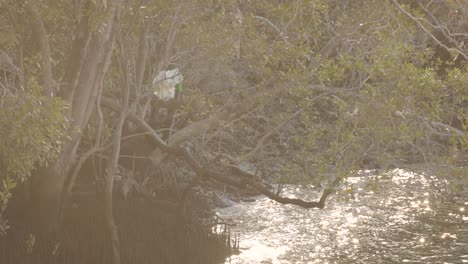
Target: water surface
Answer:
[[397, 217]]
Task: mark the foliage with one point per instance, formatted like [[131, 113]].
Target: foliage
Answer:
[[385, 67], [380, 94], [5, 194], [31, 132], [317, 89], [32, 128]]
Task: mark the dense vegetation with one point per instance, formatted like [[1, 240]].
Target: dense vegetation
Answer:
[[301, 91]]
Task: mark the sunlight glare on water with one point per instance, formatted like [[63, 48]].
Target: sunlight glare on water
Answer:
[[404, 219]]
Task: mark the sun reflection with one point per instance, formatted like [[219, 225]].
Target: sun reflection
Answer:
[[448, 235], [275, 233], [261, 253]]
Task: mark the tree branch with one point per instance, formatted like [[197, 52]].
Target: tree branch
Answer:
[[205, 172], [416, 20], [438, 26], [434, 126], [250, 180], [198, 127], [112, 167], [268, 135], [77, 53]]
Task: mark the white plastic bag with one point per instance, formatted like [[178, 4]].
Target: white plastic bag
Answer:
[[165, 83]]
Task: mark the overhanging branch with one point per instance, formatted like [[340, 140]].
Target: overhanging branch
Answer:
[[204, 171]]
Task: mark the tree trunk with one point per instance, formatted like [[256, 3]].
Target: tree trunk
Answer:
[[49, 183], [46, 190], [112, 167]]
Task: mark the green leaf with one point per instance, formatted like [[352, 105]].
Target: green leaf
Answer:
[[180, 87]]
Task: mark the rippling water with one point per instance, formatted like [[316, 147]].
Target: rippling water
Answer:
[[398, 217]]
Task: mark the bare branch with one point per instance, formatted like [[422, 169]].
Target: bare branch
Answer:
[[438, 26], [138, 121], [198, 127], [141, 60], [416, 20]]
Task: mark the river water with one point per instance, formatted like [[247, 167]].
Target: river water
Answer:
[[397, 217]]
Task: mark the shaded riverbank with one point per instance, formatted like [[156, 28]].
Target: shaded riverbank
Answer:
[[148, 234]]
